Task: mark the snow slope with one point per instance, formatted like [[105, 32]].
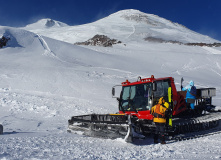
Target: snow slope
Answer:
[[43, 82]]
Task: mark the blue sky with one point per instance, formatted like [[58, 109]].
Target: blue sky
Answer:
[[203, 16]]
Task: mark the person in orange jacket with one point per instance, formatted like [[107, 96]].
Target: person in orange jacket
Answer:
[[158, 111]]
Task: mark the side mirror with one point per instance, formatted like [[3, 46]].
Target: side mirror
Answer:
[[116, 90], [113, 91], [154, 86], [182, 83]]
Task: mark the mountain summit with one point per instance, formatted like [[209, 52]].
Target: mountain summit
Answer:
[[126, 25], [45, 24], [141, 17]]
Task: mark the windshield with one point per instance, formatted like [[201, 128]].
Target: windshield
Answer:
[[162, 89], [141, 97], [136, 97]]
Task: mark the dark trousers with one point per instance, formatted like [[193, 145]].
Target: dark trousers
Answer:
[[159, 132]]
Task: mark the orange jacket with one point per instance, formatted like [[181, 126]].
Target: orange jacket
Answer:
[[159, 113]]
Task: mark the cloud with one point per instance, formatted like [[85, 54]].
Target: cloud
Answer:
[[107, 12]]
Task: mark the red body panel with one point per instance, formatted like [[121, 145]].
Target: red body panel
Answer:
[[139, 114], [179, 104]]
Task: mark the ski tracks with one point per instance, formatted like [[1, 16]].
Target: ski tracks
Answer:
[[133, 27], [211, 50], [214, 59], [48, 51]]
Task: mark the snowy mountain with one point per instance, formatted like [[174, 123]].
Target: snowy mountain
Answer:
[[125, 26], [44, 81], [45, 24]]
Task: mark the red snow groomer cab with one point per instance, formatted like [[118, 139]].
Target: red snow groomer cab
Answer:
[[137, 98], [135, 101]]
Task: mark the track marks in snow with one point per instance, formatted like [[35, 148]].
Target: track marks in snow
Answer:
[[216, 68], [191, 65], [133, 31], [16, 106], [39, 112], [8, 76], [70, 146], [111, 73], [212, 50], [48, 51], [216, 72], [217, 64]]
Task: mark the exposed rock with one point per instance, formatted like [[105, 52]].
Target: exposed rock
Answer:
[[3, 41], [99, 40], [205, 44], [142, 18], [160, 40], [50, 23]]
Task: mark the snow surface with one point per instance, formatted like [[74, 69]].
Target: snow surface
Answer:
[[43, 82]]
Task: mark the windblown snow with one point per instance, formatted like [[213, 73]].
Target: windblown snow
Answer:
[[45, 79]]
